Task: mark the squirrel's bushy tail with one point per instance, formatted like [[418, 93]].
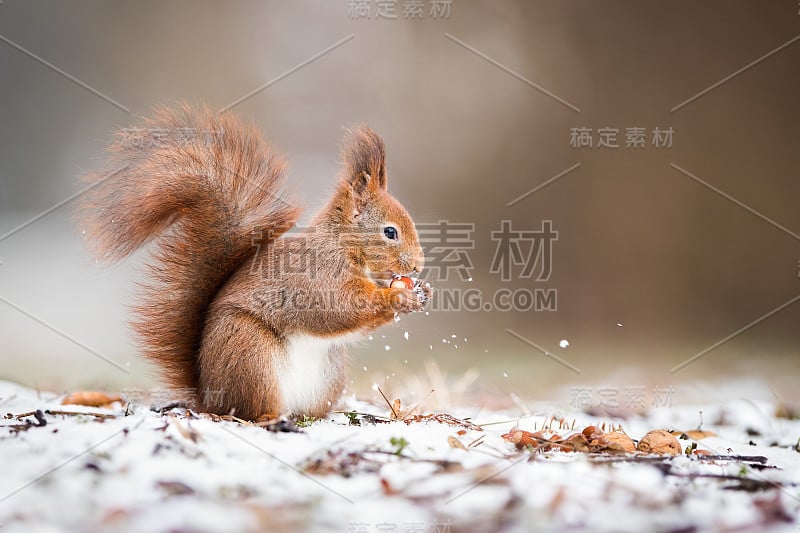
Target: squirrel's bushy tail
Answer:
[[207, 188]]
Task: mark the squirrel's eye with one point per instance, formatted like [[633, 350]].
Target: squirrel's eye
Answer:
[[390, 232]]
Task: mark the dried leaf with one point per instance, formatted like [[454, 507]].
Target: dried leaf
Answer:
[[396, 412], [521, 438], [90, 399], [788, 412], [591, 432], [443, 418], [575, 443], [388, 490], [175, 488], [772, 510], [694, 434], [455, 443], [188, 433]]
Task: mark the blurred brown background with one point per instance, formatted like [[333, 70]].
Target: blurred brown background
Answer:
[[457, 98]]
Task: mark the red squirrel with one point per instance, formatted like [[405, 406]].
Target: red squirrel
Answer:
[[250, 319]]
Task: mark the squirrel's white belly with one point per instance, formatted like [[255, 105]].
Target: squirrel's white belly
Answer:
[[306, 375]]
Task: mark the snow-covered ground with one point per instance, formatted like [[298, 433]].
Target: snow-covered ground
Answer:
[[134, 469]]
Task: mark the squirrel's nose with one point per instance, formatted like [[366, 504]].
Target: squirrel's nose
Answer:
[[419, 264]]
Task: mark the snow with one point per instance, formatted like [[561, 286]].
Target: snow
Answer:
[[146, 471]]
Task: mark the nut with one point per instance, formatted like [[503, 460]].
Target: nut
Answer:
[[661, 442], [616, 442], [402, 282]]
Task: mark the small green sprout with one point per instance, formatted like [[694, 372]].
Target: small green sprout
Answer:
[[399, 444], [306, 421], [353, 417]]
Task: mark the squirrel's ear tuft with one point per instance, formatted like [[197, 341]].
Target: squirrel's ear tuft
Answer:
[[364, 158]]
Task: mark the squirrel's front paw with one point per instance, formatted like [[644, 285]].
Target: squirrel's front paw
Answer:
[[406, 301], [423, 291]]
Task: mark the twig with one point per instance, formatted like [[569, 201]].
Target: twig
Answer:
[[741, 458], [443, 418], [231, 418], [498, 454], [417, 405], [38, 415], [475, 442], [443, 463], [103, 416], [765, 483], [505, 421], [23, 415], [394, 414]]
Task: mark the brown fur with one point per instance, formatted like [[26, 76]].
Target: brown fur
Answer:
[[208, 316]]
